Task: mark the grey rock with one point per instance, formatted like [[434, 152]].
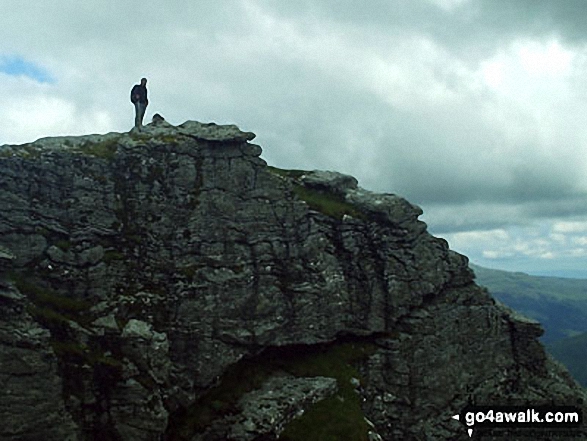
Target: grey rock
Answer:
[[266, 411], [25, 247], [138, 329], [6, 262], [31, 401], [147, 424], [158, 120], [374, 436], [214, 132], [389, 207], [6, 255], [333, 182], [11, 294], [209, 258], [91, 256], [148, 349], [106, 324]]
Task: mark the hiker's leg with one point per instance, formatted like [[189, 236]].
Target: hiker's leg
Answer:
[[142, 108], [138, 118]]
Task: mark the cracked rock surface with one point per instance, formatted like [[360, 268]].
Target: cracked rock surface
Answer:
[[138, 269]]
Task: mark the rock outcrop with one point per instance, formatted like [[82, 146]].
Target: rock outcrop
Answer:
[[170, 285]]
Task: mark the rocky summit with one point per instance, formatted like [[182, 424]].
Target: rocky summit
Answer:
[[169, 285]]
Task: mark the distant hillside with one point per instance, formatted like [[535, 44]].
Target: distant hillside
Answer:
[[572, 352], [560, 304]]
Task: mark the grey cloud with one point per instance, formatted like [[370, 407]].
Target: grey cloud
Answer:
[[470, 181], [474, 29], [565, 18], [248, 62], [570, 206], [489, 215]]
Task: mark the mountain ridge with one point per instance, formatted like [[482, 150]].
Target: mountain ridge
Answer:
[[168, 284], [560, 304], [571, 352]]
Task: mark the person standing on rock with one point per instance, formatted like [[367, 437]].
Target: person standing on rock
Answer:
[[138, 96]]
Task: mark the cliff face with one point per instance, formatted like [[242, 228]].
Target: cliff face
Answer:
[[170, 285]]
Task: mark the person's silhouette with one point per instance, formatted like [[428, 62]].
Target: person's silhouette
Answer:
[[138, 96]]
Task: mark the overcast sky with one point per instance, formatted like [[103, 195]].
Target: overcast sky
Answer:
[[475, 110]]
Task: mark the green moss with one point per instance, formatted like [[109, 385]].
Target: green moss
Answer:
[[69, 349], [63, 245], [327, 203], [47, 297], [340, 415], [169, 139], [324, 202], [137, 136], [26, 151], [332, 419], [332, 360], [42, 231], [85, 354], [47, 316], [98, 358], [50, 307], [104, 149], [112, 256]]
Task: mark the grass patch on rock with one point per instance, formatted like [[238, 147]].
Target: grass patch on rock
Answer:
[[63, 245], [327, 203], [220, 400], [50, 308], [26, 151], [169, 138], [45, 298], [336, 418], [340, 417], [113, 256], [324, 202], [105, 149]]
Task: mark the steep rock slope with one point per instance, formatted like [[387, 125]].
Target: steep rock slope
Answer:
[[170, 285]]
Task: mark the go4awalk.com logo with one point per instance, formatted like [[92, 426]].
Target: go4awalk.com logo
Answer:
[[551, 418]]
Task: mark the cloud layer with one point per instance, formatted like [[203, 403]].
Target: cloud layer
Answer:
[[473, 109]]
